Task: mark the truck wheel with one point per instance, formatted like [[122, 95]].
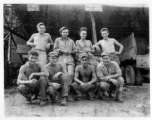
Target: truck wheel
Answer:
[[138, 77], [130, 75], [123, 71]]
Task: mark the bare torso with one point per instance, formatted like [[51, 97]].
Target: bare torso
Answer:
[[107, 45], [41, 41], [85, 75], [52, 70], [28, 71], [84, 45]]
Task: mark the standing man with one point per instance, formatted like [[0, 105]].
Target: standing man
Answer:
[[85, 78], [109, 74], [84, 45], [66, 47], [41, 42], [28, 79], [108, 45], [58, 78]]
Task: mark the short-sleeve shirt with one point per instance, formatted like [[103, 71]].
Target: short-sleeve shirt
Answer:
[[68, 45], [61, 44], [111, 70]]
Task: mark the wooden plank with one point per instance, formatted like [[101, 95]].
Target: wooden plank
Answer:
[[23, 49]]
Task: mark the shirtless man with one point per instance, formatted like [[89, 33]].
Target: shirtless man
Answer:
[[108, 45], [28, 79], [58, 78], [41, 42], [85, 78], [66, 47], [109, 75], [84, 45]]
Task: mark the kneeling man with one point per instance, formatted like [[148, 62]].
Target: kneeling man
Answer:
[[58, 78], [85, 78], [109, 75], [28, 79]]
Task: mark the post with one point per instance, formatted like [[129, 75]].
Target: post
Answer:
[[9, 49], [94, 37]]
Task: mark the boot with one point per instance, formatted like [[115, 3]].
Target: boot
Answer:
[[63, 101], [42, 103], [119, 96], [70, 98]]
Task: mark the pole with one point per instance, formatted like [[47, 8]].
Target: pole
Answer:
[[94, 37]]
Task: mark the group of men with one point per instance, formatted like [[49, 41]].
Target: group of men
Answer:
[[59, 79]]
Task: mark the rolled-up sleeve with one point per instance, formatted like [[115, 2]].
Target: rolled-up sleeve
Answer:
[[99, 72], [56, 45], [117, 68]]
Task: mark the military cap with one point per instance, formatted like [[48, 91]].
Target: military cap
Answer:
[[53, 54], [105, 54], [83, 55]]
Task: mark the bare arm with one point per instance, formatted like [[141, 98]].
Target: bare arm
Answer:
[[21, 77], [76, 75], [43, 72], [119, 45], [94, 77], [118, 72], [77, 46], [30, 41], [50, 42], [92, 49]]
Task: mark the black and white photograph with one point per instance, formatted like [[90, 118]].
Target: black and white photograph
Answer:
[[76, 60]]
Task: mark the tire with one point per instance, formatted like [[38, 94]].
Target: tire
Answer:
[[138, 78], [130, 75], [123, 71]]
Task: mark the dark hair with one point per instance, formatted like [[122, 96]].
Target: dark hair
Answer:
[[33, 52], [39, 24], [83, 29], [104, 29], [62, 28]]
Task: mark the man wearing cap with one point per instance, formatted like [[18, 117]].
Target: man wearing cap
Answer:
[[58, 78], [84, 78], [66, 47], [109, 75], [41, 42], [108, 45]]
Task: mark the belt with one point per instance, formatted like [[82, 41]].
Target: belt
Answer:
[[40, 50]]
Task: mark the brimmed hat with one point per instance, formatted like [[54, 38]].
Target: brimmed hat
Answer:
[[53, 54], [83, 55]]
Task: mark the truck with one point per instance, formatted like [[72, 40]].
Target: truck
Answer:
[[135, 59]]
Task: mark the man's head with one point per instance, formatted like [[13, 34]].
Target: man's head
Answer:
[[33, 56], [64, 31], [105, 57], [83, 32], [41, 27], [104, 32], [53, 57], [84, 59]]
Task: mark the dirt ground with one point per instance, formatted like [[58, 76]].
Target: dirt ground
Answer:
[[136, 104]]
